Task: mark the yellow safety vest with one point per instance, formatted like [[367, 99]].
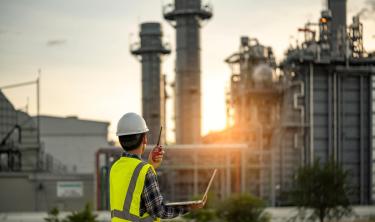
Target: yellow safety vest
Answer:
[[127, 180]]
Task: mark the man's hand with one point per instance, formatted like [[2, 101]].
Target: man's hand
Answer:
[[198, 205], [156, 156]]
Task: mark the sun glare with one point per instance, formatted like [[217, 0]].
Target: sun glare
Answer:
[[214, 117]]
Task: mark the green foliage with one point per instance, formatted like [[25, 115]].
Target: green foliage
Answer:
[[243, 208], [85, 215], [202, 215], [239, 208], [322, 188], [53, 215]]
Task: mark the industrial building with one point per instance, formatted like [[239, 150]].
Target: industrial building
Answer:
[[149, 52], [37, 176], [73, 141], [254, 110], [319, 105], [42, 191], [186, 16], [19, 148]]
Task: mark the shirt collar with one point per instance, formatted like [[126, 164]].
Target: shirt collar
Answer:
[[126, 154]]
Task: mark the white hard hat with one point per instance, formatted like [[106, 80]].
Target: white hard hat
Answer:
[[131, 123]]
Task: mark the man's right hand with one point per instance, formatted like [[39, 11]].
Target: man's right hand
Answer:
[[156, 160]]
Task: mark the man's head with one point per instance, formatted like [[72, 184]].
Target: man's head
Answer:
[[132, 142], [131, 130]]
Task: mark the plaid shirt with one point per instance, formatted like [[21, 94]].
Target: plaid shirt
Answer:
[[152, 200]]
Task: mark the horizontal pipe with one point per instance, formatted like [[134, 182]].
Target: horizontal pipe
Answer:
[[19, 84]]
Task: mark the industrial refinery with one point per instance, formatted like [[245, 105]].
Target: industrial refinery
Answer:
[[314, 104]]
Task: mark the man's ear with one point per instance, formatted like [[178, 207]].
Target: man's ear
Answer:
[[144, 141]]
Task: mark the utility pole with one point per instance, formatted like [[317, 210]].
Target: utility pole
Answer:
[[38, 104]]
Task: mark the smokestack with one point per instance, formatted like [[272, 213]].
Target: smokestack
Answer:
[[186, 16], [338, 22], [150, 52]]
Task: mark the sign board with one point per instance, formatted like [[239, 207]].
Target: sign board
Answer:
[[69, 189]]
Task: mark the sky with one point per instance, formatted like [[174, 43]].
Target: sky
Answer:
[[82, 50]]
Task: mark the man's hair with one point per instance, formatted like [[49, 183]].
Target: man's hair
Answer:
[[131, 142]]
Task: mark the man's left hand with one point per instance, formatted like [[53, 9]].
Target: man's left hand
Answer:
[[198, 205]]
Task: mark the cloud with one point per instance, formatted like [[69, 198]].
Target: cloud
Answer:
[[368, 11], [4, 31], [9, 32], [371, 3], [56, 42]]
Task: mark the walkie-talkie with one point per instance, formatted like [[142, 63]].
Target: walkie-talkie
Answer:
[[157, 151], [161, 129]]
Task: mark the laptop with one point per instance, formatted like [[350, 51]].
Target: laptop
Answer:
[[195, 201]]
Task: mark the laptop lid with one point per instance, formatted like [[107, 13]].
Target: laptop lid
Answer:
[[209, 183]]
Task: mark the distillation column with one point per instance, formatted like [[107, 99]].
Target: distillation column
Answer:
[[186, 16], [150, 52], [338, 25]]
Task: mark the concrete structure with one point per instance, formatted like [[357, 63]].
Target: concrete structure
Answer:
[[32, 179], [73, 141], [22, 191], [187, 16], [150, 51], [67, 144]]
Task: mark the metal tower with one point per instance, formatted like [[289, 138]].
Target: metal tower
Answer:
[[338, 25], [186, 16], [150, 51]]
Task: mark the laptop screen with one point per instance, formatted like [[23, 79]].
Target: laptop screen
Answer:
[[209, 183]]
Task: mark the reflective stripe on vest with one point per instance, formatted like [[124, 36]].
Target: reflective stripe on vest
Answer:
[[126, 214]]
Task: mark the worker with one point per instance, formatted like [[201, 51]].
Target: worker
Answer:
[[134, 189]]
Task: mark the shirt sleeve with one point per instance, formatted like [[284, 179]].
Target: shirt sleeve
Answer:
[[153, 200]]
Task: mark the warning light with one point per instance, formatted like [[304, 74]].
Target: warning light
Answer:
[[323, 20]]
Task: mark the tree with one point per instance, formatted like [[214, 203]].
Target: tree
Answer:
[[322, 188], [53, 215], [85, 215], [202, 215], [243, 208]]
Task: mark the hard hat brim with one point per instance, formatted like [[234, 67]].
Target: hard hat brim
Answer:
[[133, 132]]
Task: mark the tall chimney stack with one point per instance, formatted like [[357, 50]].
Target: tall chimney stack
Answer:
[[338, 22], [149, 52], [186, 16]]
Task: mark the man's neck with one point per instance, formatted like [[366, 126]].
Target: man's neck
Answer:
[[137, 152]]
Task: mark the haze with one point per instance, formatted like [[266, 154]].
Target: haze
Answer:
[[82, 48]]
